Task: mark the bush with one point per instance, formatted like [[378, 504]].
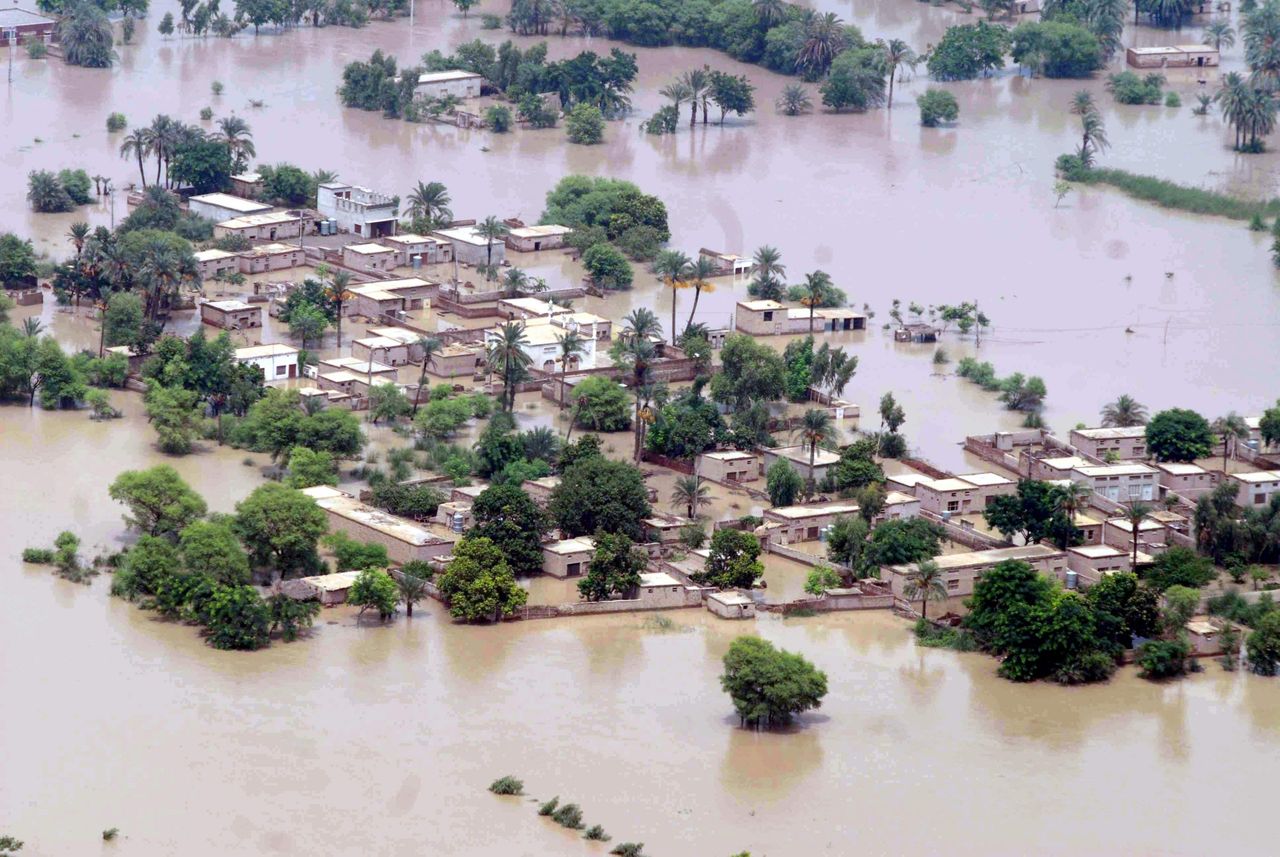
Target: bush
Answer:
[[206, 113], [507, 785], [116, 122], [1128, 88], [607, 267], [585, 124], [1163, 658], [1171, 99], [549, 807], [601, 405], [596, 834], [38, 556], [935, 637], [36, 49], [569, 815], [629, 849], [936, 106], [498, 119], [490, 22], [1179, 566]]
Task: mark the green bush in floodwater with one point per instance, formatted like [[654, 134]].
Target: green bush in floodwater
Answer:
[[569, 815], [1168, 194], [628, 849], [38, 556], [110, 833], [1171, 99], [596, 834], [507, 786], [550, 806], [1257, 224]]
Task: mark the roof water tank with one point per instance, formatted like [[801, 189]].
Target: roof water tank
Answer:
[[1073, 580]]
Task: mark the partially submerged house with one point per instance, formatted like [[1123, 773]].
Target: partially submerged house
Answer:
[[962, 570], [455, 82], [531, 239], [731, 605], [917, 332], [389, 298], [223, 206], [472, 248], [413, 251], [729, 465], [458, 360], [568, 557], [214, 263], [404, 540], [1188, 481], [358, 210], [271, 257], [790, 524], [1093, 562], [231, 314], [541, 344], [539, 490], [370, 256], [1173, 56], [268, 226], [771, 318], [329, 589], [1119, 483], [276, 360], [798, 456], [726, 264]]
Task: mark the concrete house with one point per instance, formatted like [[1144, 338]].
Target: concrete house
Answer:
[[1188, 481], [270, 226], [457, 516], [457, 360], [276, 360], [539, 490], [1254, 490], [370, 257], [247, 185], [223, 206], [214, 263], [990, 485], [567, 557], [963, 570], [472, 248], [357, 210], [271, 257], [665, 528], [1119, 483], [1153, 535], [329, 589], [1092, 562], [415, 250], [392, 352], [523, 309], [25, 24], [1127, 444], [898, 505], [531, 239], [455, 82], [389, 297], [1055, 468], [726, 264], [231, 315], [1173, 56], [729, 465], [542, 345], [791, 524], [660, 591], [381, 372], [771, 318], [823, 461], [731, 605], [403, 539]]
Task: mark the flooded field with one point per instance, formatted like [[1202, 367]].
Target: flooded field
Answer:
[[890, 209], [381, 739]]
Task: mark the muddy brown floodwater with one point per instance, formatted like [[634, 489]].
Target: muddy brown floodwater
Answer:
[[380, 740]]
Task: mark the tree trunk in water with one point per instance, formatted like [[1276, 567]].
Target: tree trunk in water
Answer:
[[924, 607], [141, 171], [697, 293], [674, 296], [693, 113], [892, 74]]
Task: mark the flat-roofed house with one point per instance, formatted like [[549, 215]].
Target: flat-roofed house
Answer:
[[769, 318], [1054, 468], [231, 315], [731, 605], [531, 239], [271, 257], [213, 263], [370, 256], [387, 298], [1092, 562], [665, 528], [898, 505], [949, 496], [328, 589], [275, 359], [223, 206], [539, 490], [1153, 535], [962, 570], [989, 486], [384, 349], [413, 250], [381, 372], [457, 516], [471, 247], [906, 482], [726, 264], [247, 185], [541, 343], [527, 308], [457, 360], [1119, 483], [404, 540], [791, 524], [1188, 481], [823, 460], [567, 557], [729, 465], [358, 210], [762, 317], [455, 82], [659, 591], [824, 320], [1173, 56], [1126, 443], [1254, 489], [25, 24], [268, 226], [587, 325]]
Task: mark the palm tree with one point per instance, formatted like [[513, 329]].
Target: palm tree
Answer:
[[678, 91], [137, 143], [700, 271], [571, 344], [324, 176], [1220, 34], [507, 355], [32, 328], [697, 82], [430, 348], [235, 132], [1232, 96], [641, 323], [816, 286], [815, 428], [769, 12], [824, 38], [1072, 498], [672, 268], [337, 292], [514, 282], [412, 590], [430, 201], [78, 232], [1135, 511], [163, 139], [897, 53], [1125, 411], [491, 228], [794, 100], [832, 369], [690, 493], [84, 34], [926, 583], [1233, 429], [1093, 137], [635, 352]]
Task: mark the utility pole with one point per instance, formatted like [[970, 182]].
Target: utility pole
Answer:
[[12, 33], [111, 195]]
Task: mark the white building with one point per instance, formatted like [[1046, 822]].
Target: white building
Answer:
[[531, 239], [1254, 490], [1119, 483], [417, 250], [542, 345], [358, 210], [456, 82], [223, 206], [276, 360], [472, 248]]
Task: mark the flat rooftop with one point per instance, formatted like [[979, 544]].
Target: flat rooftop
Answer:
[[1097, 551], [269, 218], [231, 306], [1257, 476], [1174, 468], [271, 349], [231, 203], [274, 249], [565, 547], [658, 578], [1112, 432], [410, 238], [547, 230], [389, 525], [212, 254], [729, 455], [801, 512], [760, 306], [948, 485], [445, 76], [823, 457], [985, 480], [368, 249], [467, 235], [989, 557], [1093, 471]]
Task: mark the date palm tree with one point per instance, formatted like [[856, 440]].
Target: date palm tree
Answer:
[[816, 286], [1232, 96], [700, 272], [824, 38], [491, 228], [815, 428], [508, 357], [164, 139], [235, 133], [137, 144], [697, 81], [32, 328], [430, 201], [1220, 34], [571, 345], [897, 53], [78, 232], [514, 282], [672, 268], [635, 352], [927, 583], [1072, 498], [337, 292], [678, 91], [1135, 512], [412, 590], [1232, 429], [641, 323], [690, 493], [769, 12], [1124, 412], [430, 348], [794, 100]]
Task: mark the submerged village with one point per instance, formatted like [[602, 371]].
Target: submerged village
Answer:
[[419, 487]]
